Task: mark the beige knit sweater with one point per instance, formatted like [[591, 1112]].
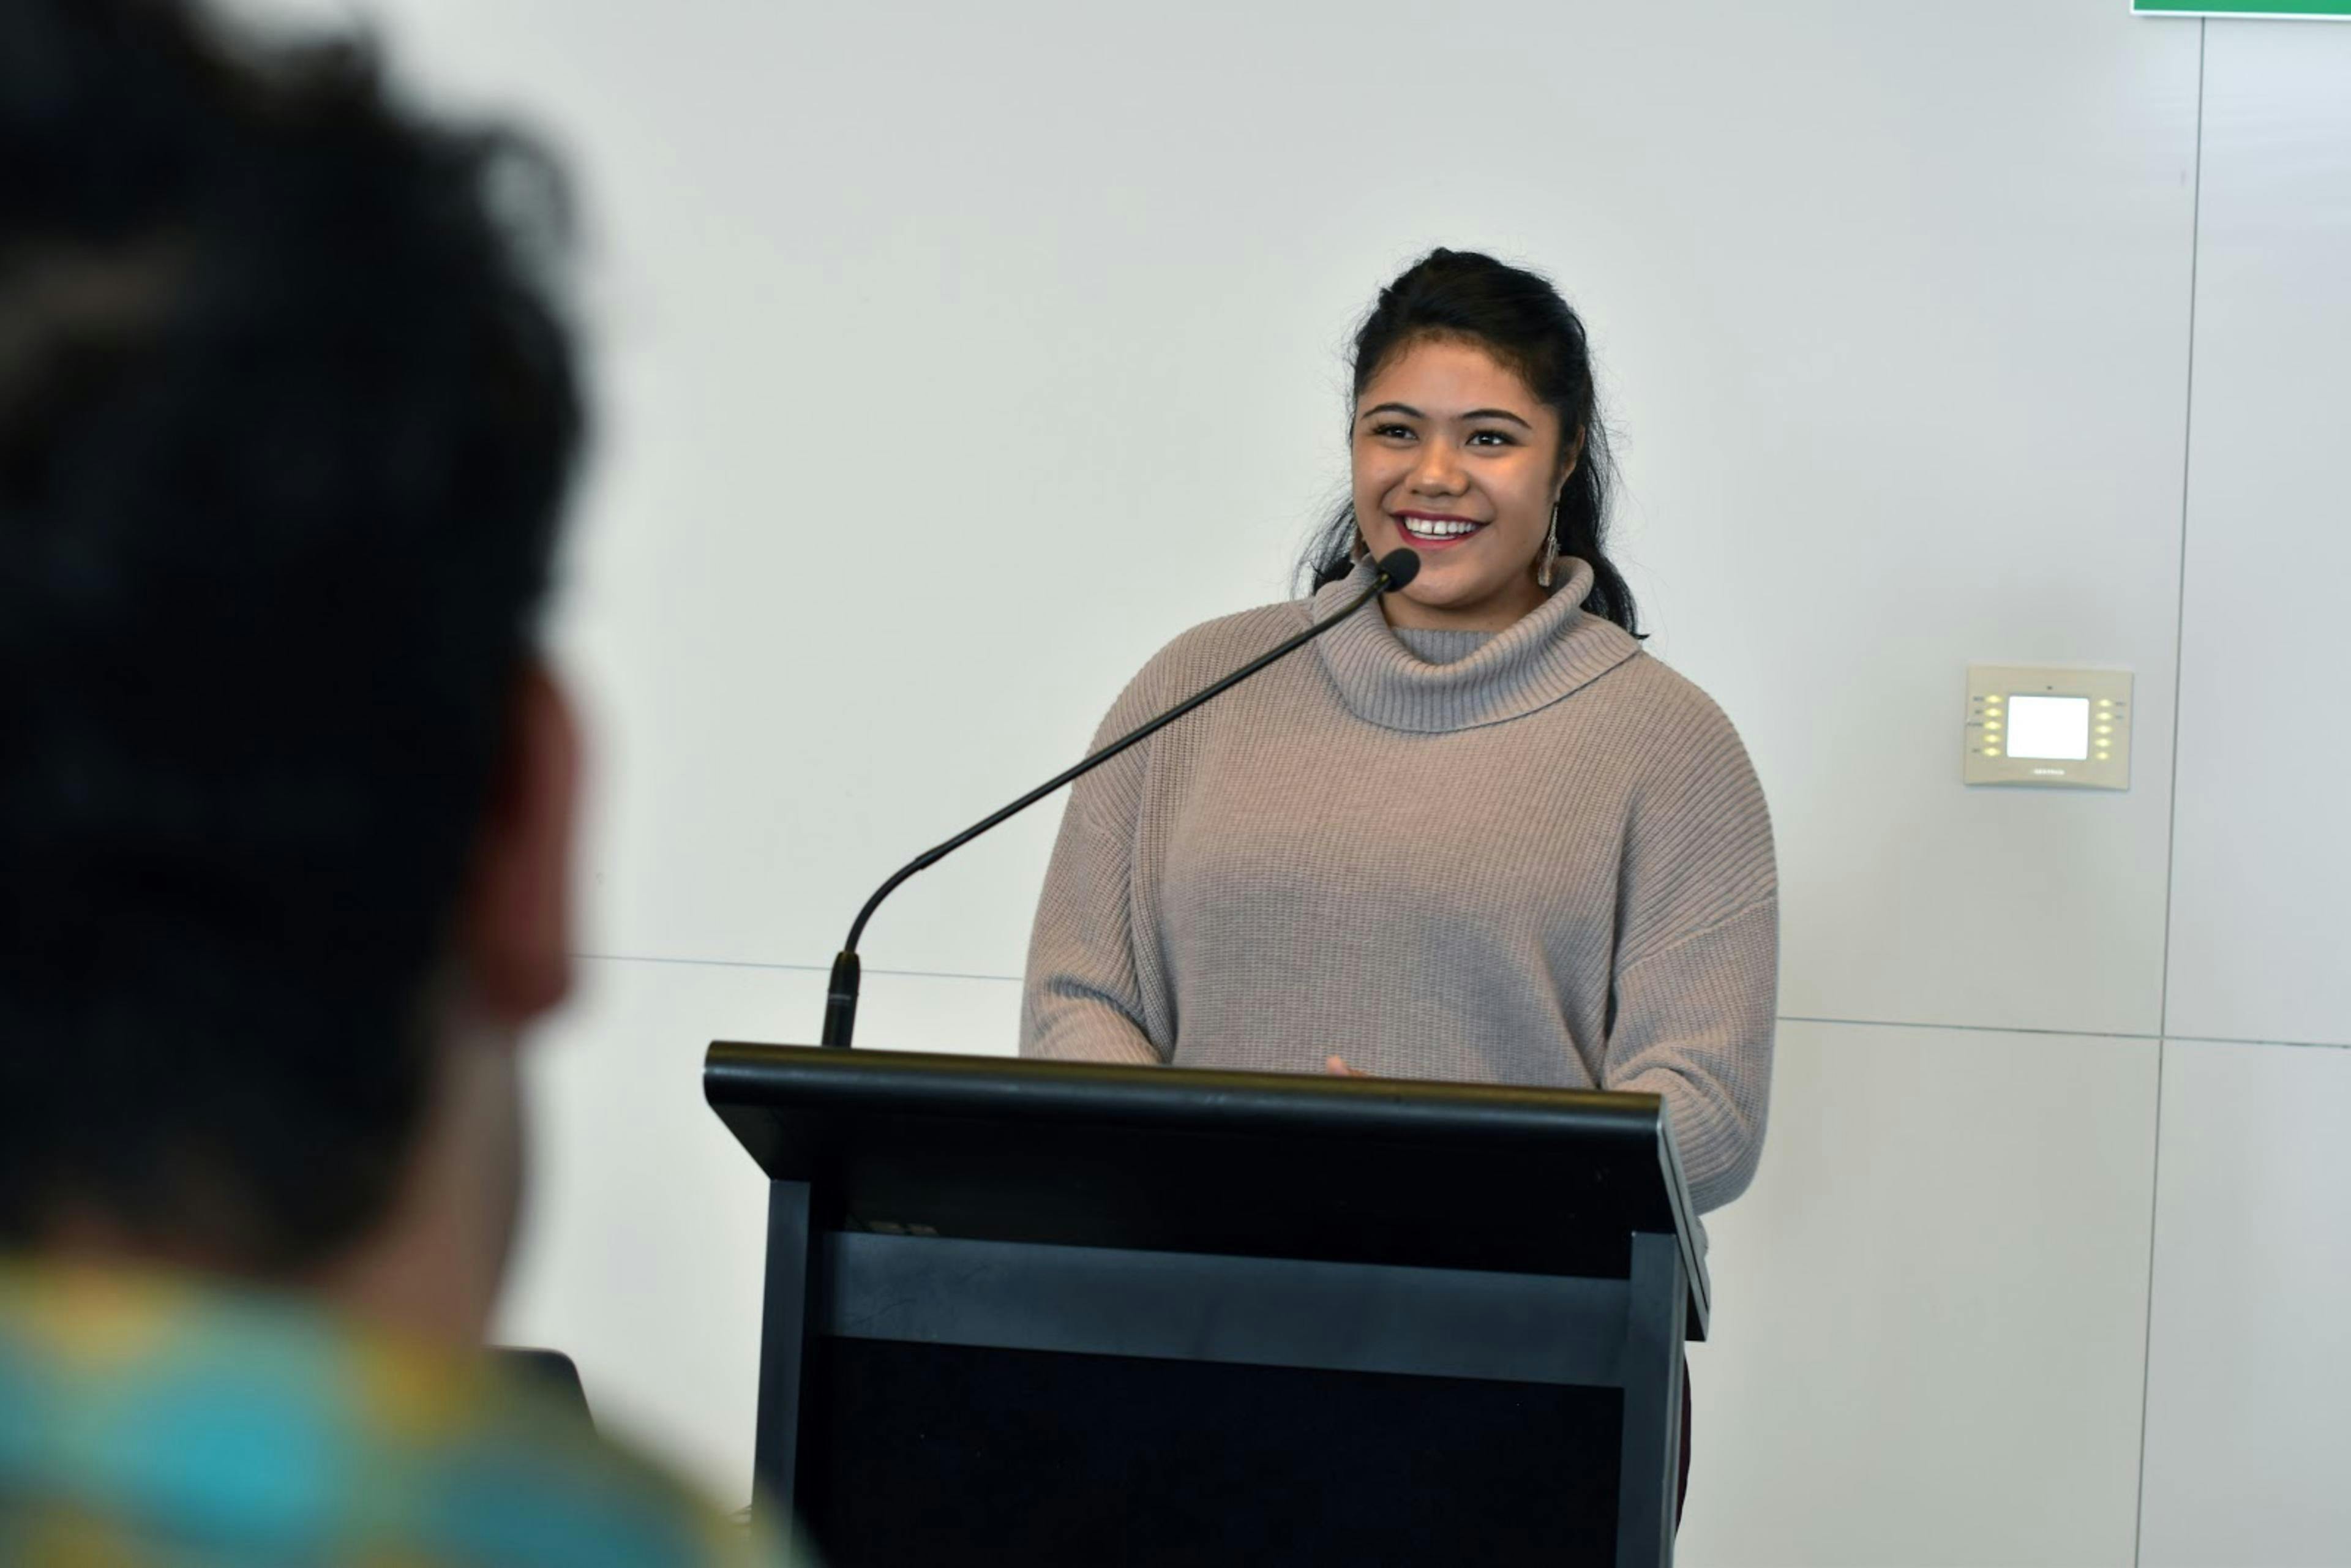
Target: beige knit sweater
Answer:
[[1536, 856]]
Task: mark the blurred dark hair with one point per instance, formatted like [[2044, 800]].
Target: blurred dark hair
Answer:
[[286, 418], [1519, 319]]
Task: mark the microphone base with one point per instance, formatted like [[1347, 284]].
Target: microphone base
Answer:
[[840, 1001]]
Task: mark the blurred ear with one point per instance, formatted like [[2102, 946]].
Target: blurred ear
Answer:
[[515, 923]]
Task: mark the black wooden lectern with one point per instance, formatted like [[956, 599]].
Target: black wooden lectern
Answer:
[[1042, 1313]]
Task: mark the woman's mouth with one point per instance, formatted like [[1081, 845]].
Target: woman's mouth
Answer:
[[1432, 530]]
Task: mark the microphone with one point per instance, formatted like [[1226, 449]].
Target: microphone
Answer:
[[1392, 572]]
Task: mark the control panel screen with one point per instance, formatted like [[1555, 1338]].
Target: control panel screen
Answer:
[[2055, 728]]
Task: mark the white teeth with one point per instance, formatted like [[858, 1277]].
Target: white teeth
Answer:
[[1432, 529]]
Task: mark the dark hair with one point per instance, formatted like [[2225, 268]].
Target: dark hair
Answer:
[[287, 419], [1519, 318]]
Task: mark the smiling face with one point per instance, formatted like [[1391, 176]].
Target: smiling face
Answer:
[[1455, 458]]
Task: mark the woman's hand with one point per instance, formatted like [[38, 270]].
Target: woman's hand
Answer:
[[1338, 1066]]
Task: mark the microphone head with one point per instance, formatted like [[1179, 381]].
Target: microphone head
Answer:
[[1399, 567]]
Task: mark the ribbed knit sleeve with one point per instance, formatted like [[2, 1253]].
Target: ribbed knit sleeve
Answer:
[[1083, 997], [1697, 972]]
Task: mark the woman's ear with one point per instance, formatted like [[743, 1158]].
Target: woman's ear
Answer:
[[515, 927], [1568, 462]]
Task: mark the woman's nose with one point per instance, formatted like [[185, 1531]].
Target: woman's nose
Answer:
[[1439, 469]]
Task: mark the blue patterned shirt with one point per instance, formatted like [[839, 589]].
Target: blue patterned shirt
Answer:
[[152, 1420]]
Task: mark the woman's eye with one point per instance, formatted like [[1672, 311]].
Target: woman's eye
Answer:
[[1492, 438], [1391, 432]]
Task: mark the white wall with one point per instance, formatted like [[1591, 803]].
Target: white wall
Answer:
[[2249, 1381], [954, 357]]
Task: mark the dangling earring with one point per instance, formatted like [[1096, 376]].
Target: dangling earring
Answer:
[[1550, 550]]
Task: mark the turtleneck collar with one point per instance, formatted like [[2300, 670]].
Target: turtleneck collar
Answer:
[[1550, 652]]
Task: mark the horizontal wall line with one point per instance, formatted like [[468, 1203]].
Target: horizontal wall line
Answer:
[[1974, 1028], [1784, 1017], [788, 968], [2281, 1044], [2075, 1033]]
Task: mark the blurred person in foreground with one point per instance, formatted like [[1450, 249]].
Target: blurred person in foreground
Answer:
[[287, 419]]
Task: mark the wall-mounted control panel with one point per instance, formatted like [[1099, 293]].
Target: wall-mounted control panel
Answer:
[[2069, 729]]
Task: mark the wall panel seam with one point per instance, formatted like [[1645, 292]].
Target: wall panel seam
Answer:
[[2171, 804]]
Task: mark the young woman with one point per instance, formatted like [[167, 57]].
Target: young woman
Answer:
[[1479, 835]]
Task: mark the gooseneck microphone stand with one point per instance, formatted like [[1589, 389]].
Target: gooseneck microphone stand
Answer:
[[1391, 571]]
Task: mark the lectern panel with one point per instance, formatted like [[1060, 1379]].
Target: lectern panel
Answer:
[[921, 1455], [1192, 1306]]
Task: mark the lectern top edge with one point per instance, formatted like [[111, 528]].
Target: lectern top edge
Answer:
[[745, 1074]]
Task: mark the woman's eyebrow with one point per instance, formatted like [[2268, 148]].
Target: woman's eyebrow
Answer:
[[1411, 412]]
